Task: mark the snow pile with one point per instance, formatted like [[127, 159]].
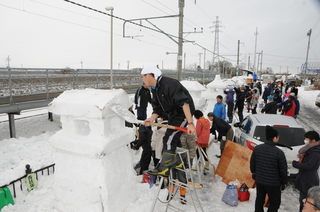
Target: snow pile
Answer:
[[93, 165]]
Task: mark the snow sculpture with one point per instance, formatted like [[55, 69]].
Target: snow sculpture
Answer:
[[93, 170], [195, 89], [217, 85]]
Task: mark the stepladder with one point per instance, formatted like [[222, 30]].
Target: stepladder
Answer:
[[181, 187]]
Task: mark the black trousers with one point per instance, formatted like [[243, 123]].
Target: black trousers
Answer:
[[230, 109], [240, 112], [274, 194], [145, 160], [141, 113]]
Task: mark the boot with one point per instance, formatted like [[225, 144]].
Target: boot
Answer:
[[207, 165], [168, 161], [183, 192], [219, 156], [170, 192]]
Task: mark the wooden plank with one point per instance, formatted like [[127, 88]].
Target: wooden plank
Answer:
[[239, 167], [226, 157], [235, 164]]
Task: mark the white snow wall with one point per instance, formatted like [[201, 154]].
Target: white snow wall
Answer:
[[93, 168]]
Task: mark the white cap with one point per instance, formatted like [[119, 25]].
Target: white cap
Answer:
[[152, 70]]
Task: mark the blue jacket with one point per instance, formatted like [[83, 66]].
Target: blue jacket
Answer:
[[220, 110]]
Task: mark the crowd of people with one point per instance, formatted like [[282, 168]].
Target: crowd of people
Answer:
[[274, 100], [173, 105]]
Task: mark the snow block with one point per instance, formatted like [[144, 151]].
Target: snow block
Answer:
[[195, 89], [93, 166]]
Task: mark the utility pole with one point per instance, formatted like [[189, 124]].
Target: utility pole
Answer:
[[216, 42], [8, 61], [255, 50], [238, 54], [249, 63], [200, 59], [128, 62], [261, 64], [306, 64], [184, 65], [179, 62]]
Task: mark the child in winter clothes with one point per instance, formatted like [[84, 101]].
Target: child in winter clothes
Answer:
[[157, 142], [143, 141], [254, 101], [220, 108], [203, 133]]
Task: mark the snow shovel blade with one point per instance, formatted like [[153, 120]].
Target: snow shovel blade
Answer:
[[152, 180]]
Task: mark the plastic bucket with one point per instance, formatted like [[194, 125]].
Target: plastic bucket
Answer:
[[243, 196], [146, 178]]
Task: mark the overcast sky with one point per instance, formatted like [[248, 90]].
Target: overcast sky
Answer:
[[58, 34]]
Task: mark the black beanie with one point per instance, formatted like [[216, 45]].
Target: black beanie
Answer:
[[271, 133], [197, 114]]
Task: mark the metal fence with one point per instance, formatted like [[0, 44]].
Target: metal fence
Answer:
[[28, 81]]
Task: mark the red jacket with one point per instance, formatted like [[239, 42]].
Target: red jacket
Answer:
[[203, 132], [292, 108]]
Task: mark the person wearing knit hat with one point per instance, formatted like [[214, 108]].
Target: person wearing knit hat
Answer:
[[268, 166], [270, 107], [172, 98]]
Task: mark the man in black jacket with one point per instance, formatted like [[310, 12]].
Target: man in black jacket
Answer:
[[141, 99], [169, 97], [223, 129], [270, 107], [268, 166]]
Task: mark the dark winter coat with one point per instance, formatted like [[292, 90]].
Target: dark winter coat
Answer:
[[240, 97], [265, 94], [268, 165], [221, 126], [142, 97], [169, 96], [270, 108], [229, 98], [144, 139], [295, 91], [308, 169]]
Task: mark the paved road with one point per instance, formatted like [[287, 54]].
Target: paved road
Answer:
[[309, 117]]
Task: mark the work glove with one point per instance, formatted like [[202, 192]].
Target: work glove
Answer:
[[283, 186], [295, 116], [133, 145]]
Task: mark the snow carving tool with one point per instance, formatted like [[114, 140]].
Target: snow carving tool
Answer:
[[213, 167]]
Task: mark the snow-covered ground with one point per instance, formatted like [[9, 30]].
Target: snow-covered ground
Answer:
[[32, 147]]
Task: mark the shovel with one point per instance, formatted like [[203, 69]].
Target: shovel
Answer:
[[183, 129], [213, 167]]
